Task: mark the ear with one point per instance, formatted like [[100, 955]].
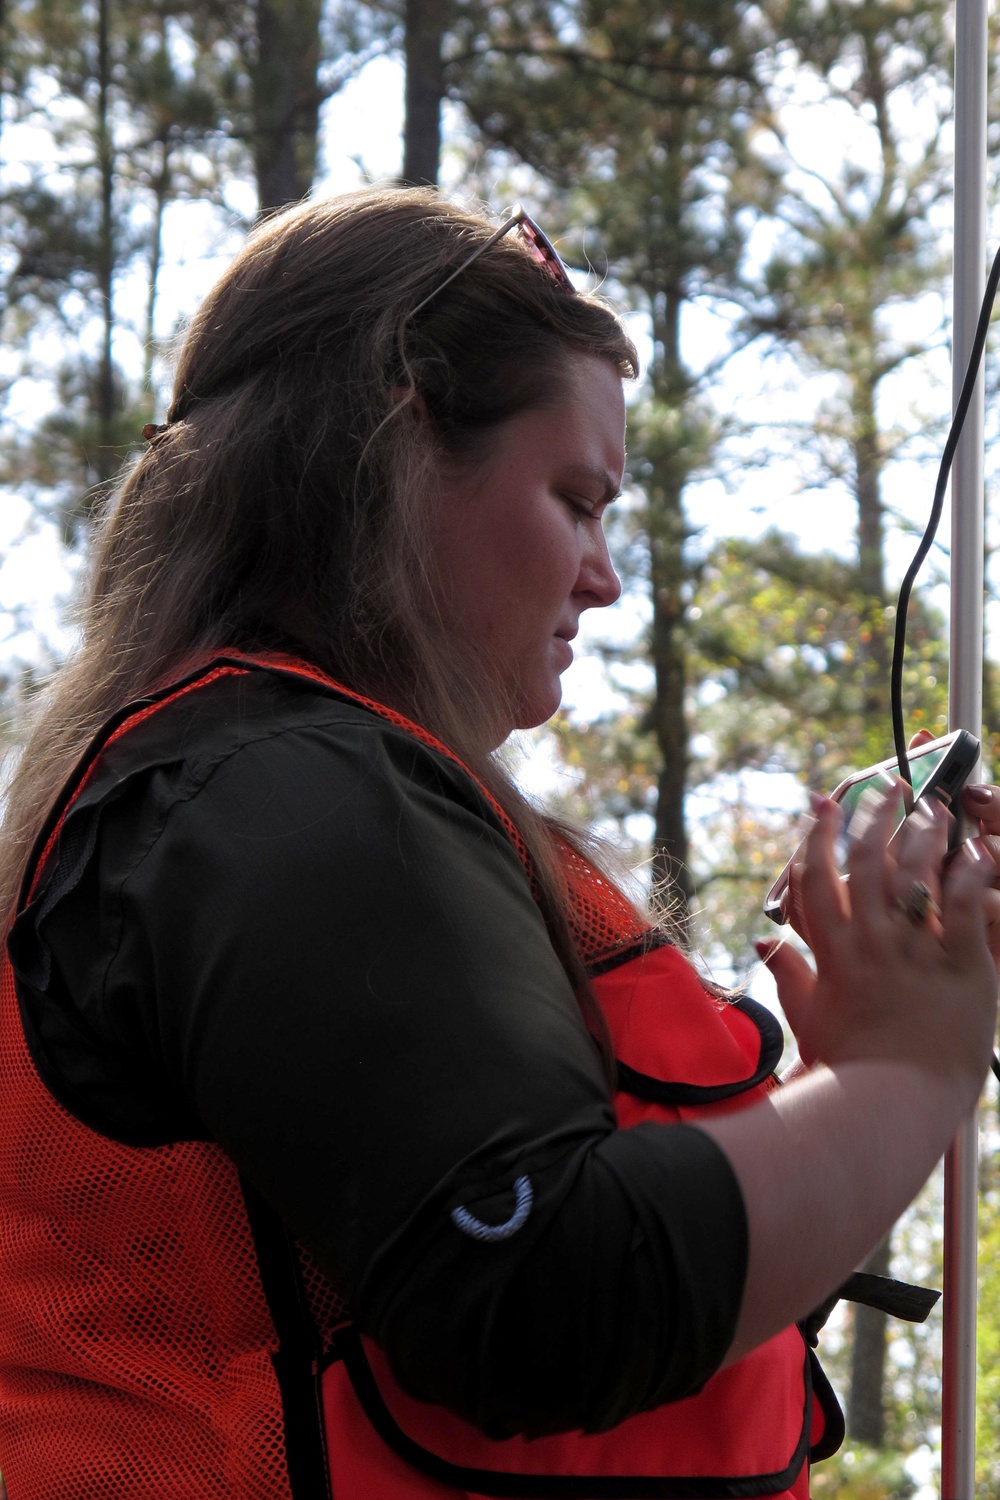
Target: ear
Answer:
[[408, 395]]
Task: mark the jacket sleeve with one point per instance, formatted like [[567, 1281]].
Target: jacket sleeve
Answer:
[[325, 955]]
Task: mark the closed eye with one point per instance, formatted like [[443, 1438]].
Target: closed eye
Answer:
[[589, 510]]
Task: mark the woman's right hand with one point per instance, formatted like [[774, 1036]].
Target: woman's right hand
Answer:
[[884, 987], [899, 1020]]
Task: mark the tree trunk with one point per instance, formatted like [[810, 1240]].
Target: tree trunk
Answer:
[[106, 461], [865, 1407], [285, 100], [874, 644], [3, 80], [667, 531], [425, 27], [161, 191]]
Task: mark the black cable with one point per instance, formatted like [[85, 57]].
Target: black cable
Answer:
[[903, 601], [947, 458]]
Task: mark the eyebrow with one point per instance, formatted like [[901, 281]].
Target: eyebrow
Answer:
[[594, 474]]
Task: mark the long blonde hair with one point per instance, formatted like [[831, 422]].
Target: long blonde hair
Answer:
[[282, 501]]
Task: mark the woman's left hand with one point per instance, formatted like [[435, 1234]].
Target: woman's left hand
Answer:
[[981, 805]]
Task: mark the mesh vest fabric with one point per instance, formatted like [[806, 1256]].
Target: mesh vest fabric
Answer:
[[138, 1352]]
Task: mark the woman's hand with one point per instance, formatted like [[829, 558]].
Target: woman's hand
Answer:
[[982, 805], [887, 988], [901, 1011]]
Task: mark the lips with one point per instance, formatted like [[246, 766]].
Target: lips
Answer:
[[564, 651]]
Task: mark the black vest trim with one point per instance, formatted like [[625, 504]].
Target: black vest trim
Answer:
[[660, 1091], [834, 1427], [349, 1348], [647, 942], [298, 1358]]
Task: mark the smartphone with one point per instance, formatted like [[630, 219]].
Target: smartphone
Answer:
[[942, 766]]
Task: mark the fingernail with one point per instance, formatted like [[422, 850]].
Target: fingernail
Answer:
[[820, 805], [979, 796], [767, 948]]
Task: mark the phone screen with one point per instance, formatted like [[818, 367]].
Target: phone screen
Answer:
[[946, 764], [922, 768]]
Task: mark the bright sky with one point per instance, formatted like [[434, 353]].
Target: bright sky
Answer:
[[361, 141]]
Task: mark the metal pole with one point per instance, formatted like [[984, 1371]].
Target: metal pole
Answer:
[[965, 708]]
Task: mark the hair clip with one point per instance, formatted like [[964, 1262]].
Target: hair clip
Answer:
[[153, 430]]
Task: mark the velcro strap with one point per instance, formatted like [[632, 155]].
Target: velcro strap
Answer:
[[900, 1299]]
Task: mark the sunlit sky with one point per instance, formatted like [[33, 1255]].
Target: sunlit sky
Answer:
[[361, 140]]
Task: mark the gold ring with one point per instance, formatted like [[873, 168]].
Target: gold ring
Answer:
[[917, 902]]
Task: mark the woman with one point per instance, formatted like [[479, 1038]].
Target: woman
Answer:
[[312, 1179]]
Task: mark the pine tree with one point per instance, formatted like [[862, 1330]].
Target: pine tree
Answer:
[[638, 118], [855, 249]]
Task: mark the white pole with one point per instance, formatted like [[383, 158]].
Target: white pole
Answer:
[[965, 708]]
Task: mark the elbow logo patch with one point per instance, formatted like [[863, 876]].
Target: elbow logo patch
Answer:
[[477, 1230]]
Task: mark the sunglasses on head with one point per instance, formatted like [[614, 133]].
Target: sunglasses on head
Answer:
[[541, 248]]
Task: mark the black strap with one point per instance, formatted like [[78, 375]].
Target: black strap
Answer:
[[298, 1357], [899, 1299]]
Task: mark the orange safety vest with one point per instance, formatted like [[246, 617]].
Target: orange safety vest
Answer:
[[161, 1334]]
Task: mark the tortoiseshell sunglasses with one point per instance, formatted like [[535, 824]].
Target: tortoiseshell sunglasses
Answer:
[[541, 247]]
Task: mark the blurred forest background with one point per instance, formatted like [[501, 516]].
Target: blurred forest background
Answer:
[[766, 188]]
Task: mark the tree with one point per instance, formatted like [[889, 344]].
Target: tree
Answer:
[[855, 248], [424, 36], [638, 119], [130, 116]]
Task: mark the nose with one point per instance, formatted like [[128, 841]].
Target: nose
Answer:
[[598, 583]]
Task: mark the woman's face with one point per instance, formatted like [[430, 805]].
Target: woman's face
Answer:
[[520, 542]]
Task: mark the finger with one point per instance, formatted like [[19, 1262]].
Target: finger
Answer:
[[963, 914], [792, 897], [868, 861], [795, 983], [823, 901], [922, 737], [798, 1069], [919, 849], [983, 804], [991, 907]]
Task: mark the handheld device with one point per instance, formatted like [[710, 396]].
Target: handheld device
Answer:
[[941, 767]]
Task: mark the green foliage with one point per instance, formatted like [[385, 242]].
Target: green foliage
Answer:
[[637, 119], [859, 1473], [777, 683], [780, 636], [123, 105], [615, 764], [654, 138], [988, 1321]]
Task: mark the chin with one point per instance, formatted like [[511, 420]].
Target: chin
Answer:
[[538, 707]]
